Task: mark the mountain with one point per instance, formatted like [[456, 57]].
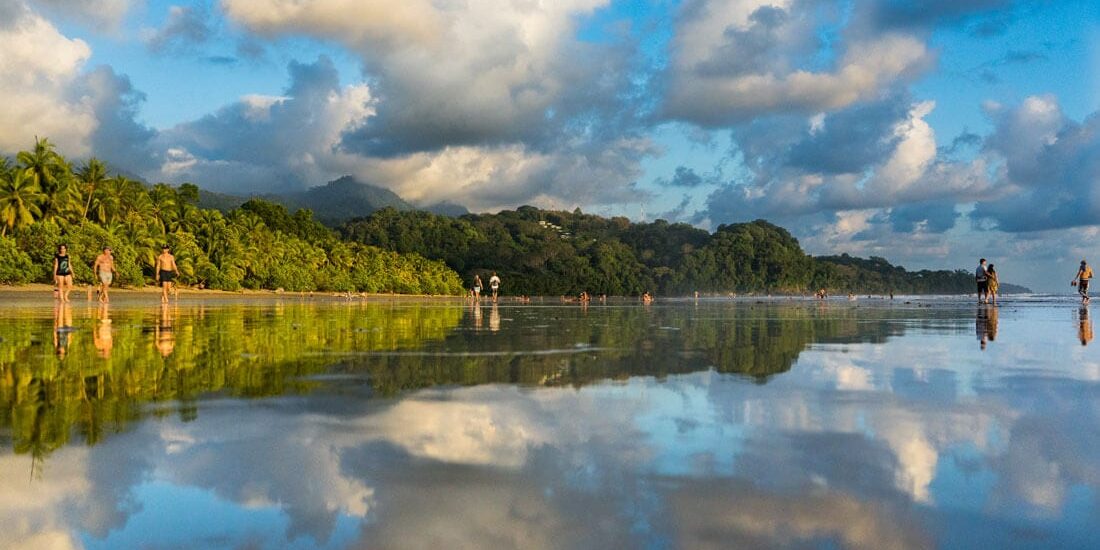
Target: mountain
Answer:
[[343, 199], [333, 203]]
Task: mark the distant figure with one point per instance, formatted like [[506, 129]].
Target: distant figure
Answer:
[[584, 297], [891, 294], [104, 270], [166, 272], [1081, 281], [646, 298], [63, 273], [477, 288], [603, 298], [993, 285], [1084, 327], [696, 295], [494, 285], [981, 278]]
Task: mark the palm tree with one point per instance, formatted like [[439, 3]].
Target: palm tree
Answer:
[[52, 175], [19, 200], [165, 213], [91, 176]]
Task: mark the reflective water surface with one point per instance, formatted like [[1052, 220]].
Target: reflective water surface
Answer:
[[275, 423]]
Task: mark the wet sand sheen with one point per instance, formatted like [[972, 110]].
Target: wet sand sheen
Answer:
[[283, 423]]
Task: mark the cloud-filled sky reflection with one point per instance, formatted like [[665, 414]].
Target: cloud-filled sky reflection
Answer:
[[922, 439]]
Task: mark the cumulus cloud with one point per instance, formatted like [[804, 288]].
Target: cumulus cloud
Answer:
[[184, 29], [269, 143], [452, 75], [279, 143], [876, 155], [1048, 167], [34, 88], [733, 61]]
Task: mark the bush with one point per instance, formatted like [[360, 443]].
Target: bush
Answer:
[[16, 266]]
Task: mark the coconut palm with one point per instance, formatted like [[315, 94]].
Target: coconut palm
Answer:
[[91, 178], [20, 200], [53, 177]]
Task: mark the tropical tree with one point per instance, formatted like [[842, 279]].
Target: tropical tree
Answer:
[[53, 177], [20, 200], [91, 178]]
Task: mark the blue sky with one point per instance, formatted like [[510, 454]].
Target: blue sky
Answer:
[[929, 132]]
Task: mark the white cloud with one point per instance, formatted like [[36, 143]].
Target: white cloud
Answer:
[[733, 61], [37, 70]]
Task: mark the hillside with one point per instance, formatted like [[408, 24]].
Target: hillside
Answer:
[[550, 252]]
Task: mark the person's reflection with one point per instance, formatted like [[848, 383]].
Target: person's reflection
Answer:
[[1084, 326], [62, 327], [477, 315], [165, 338], [102, 336], [494, 319], [985, 324]]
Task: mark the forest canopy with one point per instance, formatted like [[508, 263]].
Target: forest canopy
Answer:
[[542, 252]]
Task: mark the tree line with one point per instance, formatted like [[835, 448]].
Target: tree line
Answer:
[[46, 201], [541, 252]]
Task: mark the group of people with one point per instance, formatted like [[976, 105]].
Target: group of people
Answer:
[[494, 286], [103, 269]]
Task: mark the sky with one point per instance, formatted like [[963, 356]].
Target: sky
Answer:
[[927, 132]]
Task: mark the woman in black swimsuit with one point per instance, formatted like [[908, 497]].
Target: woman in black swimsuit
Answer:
[[63, 272]]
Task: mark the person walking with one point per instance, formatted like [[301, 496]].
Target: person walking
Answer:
[[477, 288], [993, 284], [1081, 281], [981, 277], [63, 273], [494, 285], [167, 271], [104, 270]]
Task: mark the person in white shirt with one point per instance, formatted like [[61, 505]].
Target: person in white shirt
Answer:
[[981, 277], [494, 285]]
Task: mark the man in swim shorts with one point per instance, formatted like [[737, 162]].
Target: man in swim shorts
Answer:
[[104, 269], [166, 272]]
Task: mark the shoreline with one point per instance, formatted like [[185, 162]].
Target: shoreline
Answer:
[[80, 292]]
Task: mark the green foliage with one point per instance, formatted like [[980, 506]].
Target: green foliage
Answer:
[[551, 253], [44, 203], [15, 265]]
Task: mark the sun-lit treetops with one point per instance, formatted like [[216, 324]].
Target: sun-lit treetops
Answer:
[[46, 201], [550, 252]]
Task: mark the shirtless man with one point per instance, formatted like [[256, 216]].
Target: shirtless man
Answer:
[[104, 269], [166, 272]]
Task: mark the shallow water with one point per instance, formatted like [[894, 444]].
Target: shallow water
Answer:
[[335, 424]]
